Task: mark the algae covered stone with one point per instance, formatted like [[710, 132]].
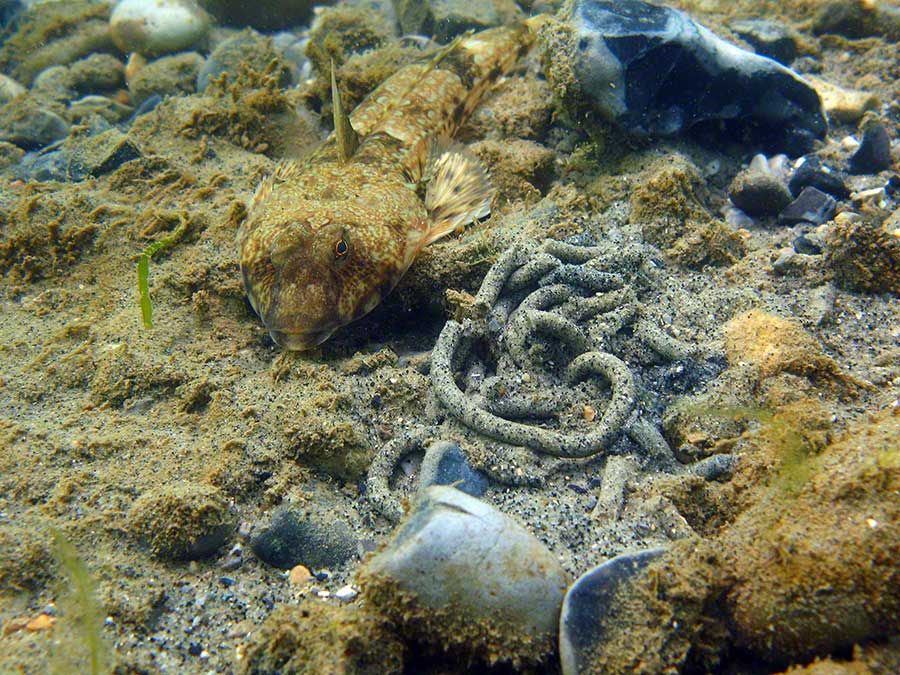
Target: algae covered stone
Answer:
[[182, 521], [464, 577], [316, 638]]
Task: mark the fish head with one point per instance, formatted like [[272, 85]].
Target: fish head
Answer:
[[292, 278], [309, 277]]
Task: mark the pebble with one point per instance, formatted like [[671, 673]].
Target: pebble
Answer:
[[768, 38], [155, 27], [677, 73], [182, 520], [40, 623], [9, 89], [858, 19], [294, 536], [109, 109], [874, 153], [462, 563], [589, 603], [299, 575], [759, 190], [346, 593], [811, 206], [25, 123], [812, 172], [445, 19], [445, 464], [247, 48], [807, 245], [166, 76], [268, 15]]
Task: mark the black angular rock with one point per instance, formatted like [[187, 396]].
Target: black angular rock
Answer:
[[295, 537], [892, 187], [769, 38], [874, 154], [588, 604], [812, 206], [445, 464], [812, 172], [654, 71]]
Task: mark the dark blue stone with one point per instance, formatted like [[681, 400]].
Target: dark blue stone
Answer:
[[874, 154], [445, 464], [656, 72], [294, 537], [588, 604]]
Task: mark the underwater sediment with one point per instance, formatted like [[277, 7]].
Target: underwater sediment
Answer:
[[642, 418]]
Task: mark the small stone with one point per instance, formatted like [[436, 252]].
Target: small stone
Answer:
[[874, 153], [299, 575], [590, 603], [40, 623], [858, 19], [247, 48], [842, 105], [812, 206], [346, 593], [26, 124], [445, 464], [812, 172], [166, 76], [195, 649], [445, 19], [807, 246], [265, 15], [294, 536], [892, 187], [109, 109], [460, 574], [788, 263], [865, 256], [769, 38], [759, 192], [182, 521], [9, 89], [154, 27], [105, 152], [588, 413]]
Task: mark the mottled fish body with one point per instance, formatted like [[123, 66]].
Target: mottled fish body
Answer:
[[326, 239]]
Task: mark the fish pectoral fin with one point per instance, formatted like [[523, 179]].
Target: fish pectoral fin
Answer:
[[458, 190], [347, 138]]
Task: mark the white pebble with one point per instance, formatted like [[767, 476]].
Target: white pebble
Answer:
[[153, 27], [346, 593]]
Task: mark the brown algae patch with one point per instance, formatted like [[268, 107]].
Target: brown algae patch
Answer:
[[315, 637], [670, 203]]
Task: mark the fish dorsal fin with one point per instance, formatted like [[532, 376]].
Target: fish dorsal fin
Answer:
[[347, 139], [458, 189]]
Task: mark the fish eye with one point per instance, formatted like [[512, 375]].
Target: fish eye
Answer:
[[341, 248]]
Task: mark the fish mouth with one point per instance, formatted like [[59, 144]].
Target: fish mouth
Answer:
[[299, 341]]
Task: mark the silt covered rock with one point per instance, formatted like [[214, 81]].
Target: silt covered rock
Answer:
[[590, 603], [468, 579], [655, 72]]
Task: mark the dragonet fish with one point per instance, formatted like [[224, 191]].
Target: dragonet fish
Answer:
[[326, 238]]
